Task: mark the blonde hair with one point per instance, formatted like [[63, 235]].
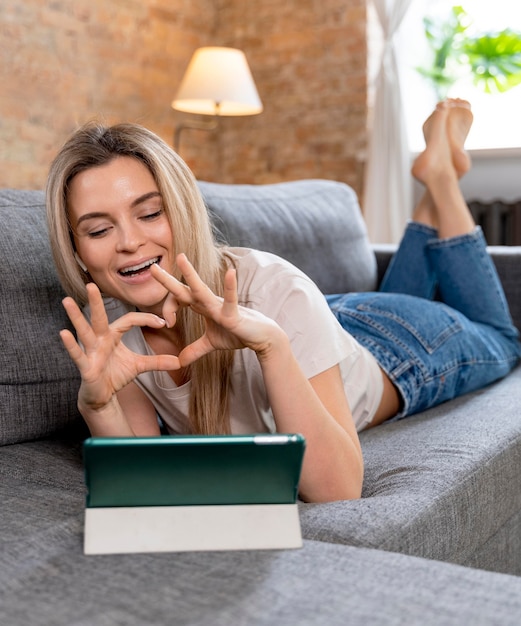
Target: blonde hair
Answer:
[[94, 145]]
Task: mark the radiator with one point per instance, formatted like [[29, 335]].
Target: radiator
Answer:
[[500, 221]]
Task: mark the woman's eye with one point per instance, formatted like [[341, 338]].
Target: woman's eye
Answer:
[[153, 215], [94, 234]]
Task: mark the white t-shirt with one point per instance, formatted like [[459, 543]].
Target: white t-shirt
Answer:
[[282, 292]]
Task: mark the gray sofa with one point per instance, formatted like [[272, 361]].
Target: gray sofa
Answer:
[[436, 538]]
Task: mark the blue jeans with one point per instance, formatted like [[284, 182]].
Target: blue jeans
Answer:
[[435, 350]]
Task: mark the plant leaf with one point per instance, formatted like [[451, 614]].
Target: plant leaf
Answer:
[[495, 60]]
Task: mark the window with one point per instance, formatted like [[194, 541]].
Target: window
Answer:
[[497, 116]]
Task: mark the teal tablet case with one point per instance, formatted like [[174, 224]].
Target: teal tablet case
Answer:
[[192, 470]]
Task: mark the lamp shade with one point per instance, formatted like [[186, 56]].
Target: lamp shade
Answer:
[[218, 81]]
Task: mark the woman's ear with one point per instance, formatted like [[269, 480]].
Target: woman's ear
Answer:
[[80, 262]]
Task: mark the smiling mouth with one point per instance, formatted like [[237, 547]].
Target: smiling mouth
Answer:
[[134, 270]]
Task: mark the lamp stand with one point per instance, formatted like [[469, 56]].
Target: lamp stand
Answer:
[[210, 126]]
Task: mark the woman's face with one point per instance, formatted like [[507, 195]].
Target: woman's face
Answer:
[[120, 229]]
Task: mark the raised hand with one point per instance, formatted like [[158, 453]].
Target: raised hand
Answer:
[[228, 325], [106, 365]]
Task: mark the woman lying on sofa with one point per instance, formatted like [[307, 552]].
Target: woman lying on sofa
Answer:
[[216, 339]]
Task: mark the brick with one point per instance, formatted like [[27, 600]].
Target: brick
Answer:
[[64, 63]]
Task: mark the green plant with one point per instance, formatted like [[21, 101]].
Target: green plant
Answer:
[[493, 59]]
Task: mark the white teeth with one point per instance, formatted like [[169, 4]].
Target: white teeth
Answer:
[[141, 266]]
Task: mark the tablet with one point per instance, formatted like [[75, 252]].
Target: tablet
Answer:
[[192, 470]]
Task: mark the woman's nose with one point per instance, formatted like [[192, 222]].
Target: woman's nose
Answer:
[[130, 238]]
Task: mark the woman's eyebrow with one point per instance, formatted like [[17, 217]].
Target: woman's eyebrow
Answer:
[[90, 216], [145, 197], [139, 200]]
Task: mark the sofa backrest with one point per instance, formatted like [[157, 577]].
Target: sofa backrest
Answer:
[[315, 224], [38, 381]]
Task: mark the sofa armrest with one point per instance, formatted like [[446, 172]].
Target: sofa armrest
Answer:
[[507, 260], [383, 253]]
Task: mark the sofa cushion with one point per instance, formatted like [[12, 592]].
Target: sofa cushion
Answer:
[[46, 579], [315, 224], [38, 381], [443, 484]]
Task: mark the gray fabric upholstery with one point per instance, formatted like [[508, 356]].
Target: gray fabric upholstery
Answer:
[[315, 224], [45, 579], [38, 381], [442, 485]]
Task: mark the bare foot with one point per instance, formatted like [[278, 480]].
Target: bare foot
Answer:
[[458, 127], [459, 121], [437, 156], [443, 204]]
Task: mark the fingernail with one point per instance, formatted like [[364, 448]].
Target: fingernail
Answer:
[[171, 323]]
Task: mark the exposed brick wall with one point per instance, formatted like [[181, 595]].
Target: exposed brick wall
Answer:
[[62, 63], [308, 58]]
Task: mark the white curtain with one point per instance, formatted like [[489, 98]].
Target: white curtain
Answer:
[[388, 186]]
